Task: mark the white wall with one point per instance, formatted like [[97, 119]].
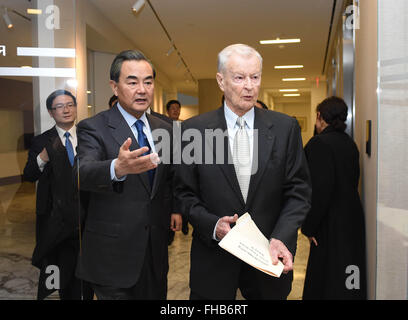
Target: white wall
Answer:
[[366, 109], [95, 32]]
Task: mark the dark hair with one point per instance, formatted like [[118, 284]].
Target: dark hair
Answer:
[[172, 102], [262, 104], [111, 100], [334, 111], [127, 56], [57, 93]]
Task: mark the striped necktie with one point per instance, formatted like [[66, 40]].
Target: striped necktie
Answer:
[[241, 157], [70, 149]]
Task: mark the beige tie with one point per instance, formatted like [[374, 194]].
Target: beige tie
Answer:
[[241, 157]]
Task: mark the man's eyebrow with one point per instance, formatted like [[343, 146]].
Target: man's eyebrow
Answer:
[[136, 78]]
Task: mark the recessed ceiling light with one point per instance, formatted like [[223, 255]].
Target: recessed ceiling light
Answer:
[[292, 95], [288, 90], [34, 11], [298, 66], [73, 83], [138, 5], [279, 41], [293, 79], [7, 19]]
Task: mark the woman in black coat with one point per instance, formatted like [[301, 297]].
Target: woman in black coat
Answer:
[[335, 224]]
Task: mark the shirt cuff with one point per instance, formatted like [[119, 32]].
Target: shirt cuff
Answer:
[[215, 233], [41, 163], [112, 172]]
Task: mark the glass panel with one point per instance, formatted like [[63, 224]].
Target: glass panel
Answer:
[[37, 56], [392, 219]]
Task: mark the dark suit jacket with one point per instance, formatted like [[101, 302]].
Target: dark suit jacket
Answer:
[[162, 116], [278, 197], [57, 208], [336, 217], [121, 215]]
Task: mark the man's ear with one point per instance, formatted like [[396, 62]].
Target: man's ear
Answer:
[[114, 87], [220, 80]]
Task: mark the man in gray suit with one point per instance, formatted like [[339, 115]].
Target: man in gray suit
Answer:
[[124, 247]]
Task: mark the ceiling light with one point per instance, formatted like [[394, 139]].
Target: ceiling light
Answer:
[[26, 66], [292, 95], [293, 79], [34, 11], [279, 41], [73, 83], [7, 19], [288, 90], [138, 5], [170, 51], [290, 67]]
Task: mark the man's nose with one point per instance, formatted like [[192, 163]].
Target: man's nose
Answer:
[[248, 83], [140, 88]]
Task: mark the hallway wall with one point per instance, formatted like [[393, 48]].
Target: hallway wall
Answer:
[[366, 109]]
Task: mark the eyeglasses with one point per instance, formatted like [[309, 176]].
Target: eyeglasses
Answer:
[[61, 106]]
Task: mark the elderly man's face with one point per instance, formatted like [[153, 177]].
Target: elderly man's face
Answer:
[[240, 82]]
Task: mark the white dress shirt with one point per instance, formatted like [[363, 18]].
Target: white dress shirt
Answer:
[[130, 120], [232, 127]]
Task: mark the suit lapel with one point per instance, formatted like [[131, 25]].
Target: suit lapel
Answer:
[[120, 132], [262, 151], [227, 167], [154, 124], [57, 148]]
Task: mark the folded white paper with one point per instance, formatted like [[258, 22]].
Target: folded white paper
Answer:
[[247, 242]]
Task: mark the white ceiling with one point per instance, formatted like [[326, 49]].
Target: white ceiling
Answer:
[[201, 28]]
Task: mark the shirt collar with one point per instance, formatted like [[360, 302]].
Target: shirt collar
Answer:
[[61, 132], [231, 117], [130, 119]]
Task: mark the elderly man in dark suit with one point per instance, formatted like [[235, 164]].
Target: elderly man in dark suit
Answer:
[[267, 177], [50, 162], [124, 253]]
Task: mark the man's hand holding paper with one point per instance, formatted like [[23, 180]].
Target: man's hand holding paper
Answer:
[[247, 242], [279, 251]]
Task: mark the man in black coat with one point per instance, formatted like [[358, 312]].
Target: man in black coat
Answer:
[[58, 222], [214, 193], [125, 253]]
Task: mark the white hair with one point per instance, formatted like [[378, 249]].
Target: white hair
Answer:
[[240, 49]]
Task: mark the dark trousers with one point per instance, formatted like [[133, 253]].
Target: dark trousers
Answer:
[[76, 290], [148, 287], [271, 289], [64, 257]]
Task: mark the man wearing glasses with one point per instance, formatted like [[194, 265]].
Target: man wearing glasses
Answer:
[[50, 162]]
